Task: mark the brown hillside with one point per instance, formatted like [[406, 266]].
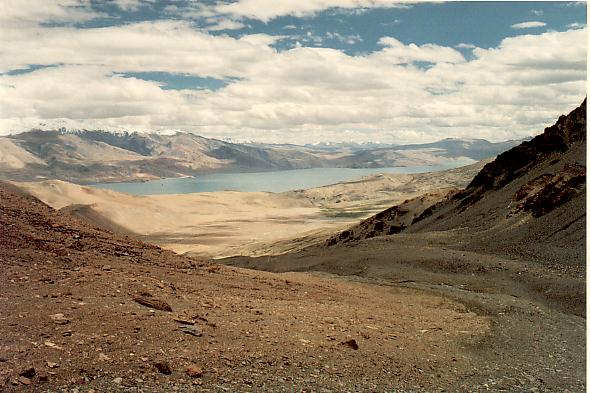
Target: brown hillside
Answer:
[[84, 309]]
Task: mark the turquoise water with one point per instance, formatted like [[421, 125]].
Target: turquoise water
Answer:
[[276, 181]]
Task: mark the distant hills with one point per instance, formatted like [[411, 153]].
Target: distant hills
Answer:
[[100, 156]]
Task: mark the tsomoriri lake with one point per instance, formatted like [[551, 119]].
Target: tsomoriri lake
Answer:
[[272, 181]]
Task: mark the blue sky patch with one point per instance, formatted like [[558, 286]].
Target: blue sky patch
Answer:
[[30, 68], [171, 81]]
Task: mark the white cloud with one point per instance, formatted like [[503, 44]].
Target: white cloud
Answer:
[[131, 48], [398, 53], [465, 46], [129, 5], [224, 24], [576, 25], [537, 12], [18, 12], [300, 95], [350, 39], [528, 25], [266, 10]]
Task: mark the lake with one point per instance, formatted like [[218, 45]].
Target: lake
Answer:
[[273, 181]]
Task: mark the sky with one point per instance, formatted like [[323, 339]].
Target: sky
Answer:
[[292, 71]]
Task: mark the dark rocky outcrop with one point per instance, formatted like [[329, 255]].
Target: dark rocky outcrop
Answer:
[[517, 161], [547, 192]]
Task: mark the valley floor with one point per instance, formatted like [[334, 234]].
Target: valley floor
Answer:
[[222, 224]]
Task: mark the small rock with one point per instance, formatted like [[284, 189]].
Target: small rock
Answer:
[[194, 371], [24, 380], [118, 380], [106, 267], [103, 358], [146, 299], [184, 321], [52, 364], [3, 359], [59, 319], [43, 377], [163, 367], [193, 331], [28, 373], [351, 343], [51, 345]]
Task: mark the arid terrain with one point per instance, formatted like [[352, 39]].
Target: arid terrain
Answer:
[[69, 320], [511, 245], [222, 224], [477, 285]]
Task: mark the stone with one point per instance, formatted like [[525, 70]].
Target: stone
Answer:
[[103, 358], [118, 380], [146, 299], [52, 364], [194, 371], [351, 343], [59, 319], [163, 367], [51, 345], [24, 380], [193, 331], [28, 372]]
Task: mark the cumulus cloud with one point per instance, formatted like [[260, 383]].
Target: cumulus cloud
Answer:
[[131, 48], [266, 10], [19, 13], [299, 95], [132, 5], [398, 53], [347, 39], [463, 45], [224, 24], [528, 25], [576, 25]]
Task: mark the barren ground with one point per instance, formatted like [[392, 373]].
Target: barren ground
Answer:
[[221, 224], [68, 312]]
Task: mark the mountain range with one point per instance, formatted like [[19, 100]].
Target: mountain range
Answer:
[[99, 156]]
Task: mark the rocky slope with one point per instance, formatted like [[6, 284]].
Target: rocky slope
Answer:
[[97, 156], [85, 309], [530, 200]]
